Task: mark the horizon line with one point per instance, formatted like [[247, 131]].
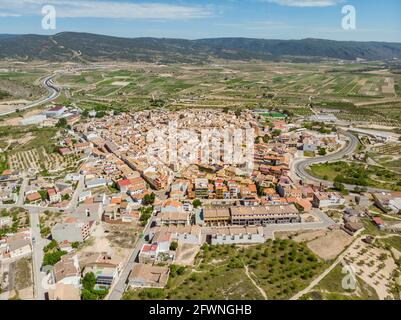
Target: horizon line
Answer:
[[188, 39]]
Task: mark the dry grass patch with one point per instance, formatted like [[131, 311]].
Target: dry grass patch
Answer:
[[330, 245]]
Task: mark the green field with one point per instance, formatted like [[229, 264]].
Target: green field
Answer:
[[357, 174], [394, 242], [3, 162], [280, 268]]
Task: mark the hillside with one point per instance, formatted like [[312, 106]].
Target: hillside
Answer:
[[68, 45]]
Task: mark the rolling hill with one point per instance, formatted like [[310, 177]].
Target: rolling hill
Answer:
[[91, 47]]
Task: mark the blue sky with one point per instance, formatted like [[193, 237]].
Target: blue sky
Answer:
[[194, 19]]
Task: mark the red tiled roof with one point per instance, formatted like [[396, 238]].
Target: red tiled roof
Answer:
[[33, 196], [378, 220], [124, 183], [56, 108], [51, 192]]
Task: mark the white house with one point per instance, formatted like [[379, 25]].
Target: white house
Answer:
[[19, 248], [327, 199], [56, 111], [95, 183], [84, 195], [395, 205], [238, 235], [67, 270]]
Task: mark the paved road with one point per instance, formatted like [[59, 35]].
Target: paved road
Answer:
[[300, 167], [117, 291], [38, 243], [53, 94], [21, 195], [78, 190]]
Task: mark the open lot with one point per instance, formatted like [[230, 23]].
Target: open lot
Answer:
[[186, 254], [365, 92], [16, 280], [330, 245]]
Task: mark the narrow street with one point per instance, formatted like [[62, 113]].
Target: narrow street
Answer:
[[118, 289], [38, 243], [21, 195]]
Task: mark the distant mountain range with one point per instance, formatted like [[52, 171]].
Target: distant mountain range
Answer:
[[91, 47]]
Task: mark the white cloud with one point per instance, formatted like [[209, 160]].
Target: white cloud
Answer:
[[106, 9], [306, 3], [6, 14]]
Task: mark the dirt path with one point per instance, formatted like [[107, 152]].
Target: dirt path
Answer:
[[262, 292], [327, 271]]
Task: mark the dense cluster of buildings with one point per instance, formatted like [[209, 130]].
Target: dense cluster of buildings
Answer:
[[191, 202]]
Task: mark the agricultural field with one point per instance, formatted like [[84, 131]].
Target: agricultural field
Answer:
[[3, 162], [392, 242], [32, 148], [361, 92], [383, 112], [39, 160], [275, 270], [356, 89], [388, 156], [375, 266], [329, 246]]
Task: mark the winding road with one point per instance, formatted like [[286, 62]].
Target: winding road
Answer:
[[301, 167], [53, 93]]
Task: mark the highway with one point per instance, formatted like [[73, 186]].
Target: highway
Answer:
[[53, 93]]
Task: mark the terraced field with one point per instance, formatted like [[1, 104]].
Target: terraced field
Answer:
[[33, 149]]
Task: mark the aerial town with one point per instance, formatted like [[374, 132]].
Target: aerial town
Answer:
[[200, 158], [111, 222]]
